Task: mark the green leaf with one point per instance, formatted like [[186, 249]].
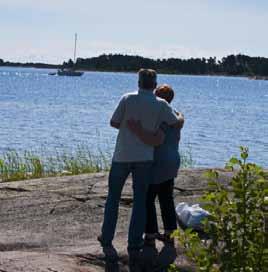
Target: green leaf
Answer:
[[233, 161], [244, 156]]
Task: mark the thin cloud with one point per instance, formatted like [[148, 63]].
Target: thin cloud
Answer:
[[33, 30]]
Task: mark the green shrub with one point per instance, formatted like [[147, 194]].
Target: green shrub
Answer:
[[236, 227]]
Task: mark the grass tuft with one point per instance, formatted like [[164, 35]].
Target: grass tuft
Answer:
[[29, 165]]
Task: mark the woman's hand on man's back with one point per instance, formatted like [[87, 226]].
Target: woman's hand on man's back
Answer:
[[147, 137]]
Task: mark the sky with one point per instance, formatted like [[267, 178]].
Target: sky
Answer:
[[43, 30]]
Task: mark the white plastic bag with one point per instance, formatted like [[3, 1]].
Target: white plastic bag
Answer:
[[191, 215]]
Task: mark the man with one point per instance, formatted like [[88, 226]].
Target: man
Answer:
[[133, 156]]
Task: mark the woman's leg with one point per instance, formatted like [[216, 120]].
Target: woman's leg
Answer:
[[167, 206]]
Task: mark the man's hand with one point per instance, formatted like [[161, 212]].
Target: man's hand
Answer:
[[180, 122], [115, 124]]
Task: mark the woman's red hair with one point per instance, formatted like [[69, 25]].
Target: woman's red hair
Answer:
[[165, 92]]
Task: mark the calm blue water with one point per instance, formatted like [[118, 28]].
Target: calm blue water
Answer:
[[41, 112]]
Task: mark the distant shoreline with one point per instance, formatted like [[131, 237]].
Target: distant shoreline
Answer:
[[134, 72], [232, 65]]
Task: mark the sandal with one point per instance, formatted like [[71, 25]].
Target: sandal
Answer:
[[166, 238], [149, 240]]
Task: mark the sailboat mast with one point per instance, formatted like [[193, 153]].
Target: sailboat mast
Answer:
[[75, 41]]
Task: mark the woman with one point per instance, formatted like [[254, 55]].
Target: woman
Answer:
[[165, 169]]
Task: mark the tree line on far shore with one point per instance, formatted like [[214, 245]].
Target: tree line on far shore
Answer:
[[233, 65]]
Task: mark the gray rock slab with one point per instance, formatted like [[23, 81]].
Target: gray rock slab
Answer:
[[51, 224]]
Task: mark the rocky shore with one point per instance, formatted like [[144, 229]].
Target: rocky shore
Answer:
[[51, 224]]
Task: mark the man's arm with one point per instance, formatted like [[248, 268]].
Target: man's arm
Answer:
[[118, 114], [147, 137], [171, 117], [180, 121]]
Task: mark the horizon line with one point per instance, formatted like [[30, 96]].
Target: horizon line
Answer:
[[134, 55]]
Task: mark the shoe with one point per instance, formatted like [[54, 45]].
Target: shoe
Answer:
[[166, 239], [111, 254], [149, 258], [166, 257], [109, 251], [135, 260]]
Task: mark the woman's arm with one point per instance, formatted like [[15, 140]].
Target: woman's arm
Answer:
[[147, 137]]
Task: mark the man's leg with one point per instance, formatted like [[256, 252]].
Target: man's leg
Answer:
[[117, 178], [151, 216], [142, 175], [151, 227]]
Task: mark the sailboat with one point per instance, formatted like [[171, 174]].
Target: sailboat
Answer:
[[70, 71]]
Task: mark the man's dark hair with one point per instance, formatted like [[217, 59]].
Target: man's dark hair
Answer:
[[147, 79]]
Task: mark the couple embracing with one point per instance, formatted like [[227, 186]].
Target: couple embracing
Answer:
[[146, 147]]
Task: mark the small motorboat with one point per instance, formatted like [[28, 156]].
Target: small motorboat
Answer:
[[52, 73]]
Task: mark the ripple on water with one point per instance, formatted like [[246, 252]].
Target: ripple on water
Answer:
[[221, 113]]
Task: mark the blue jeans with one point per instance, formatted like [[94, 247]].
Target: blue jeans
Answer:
[[141, 175]]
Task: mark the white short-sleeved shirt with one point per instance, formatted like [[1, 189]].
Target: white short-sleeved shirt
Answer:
[[151, 111]]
